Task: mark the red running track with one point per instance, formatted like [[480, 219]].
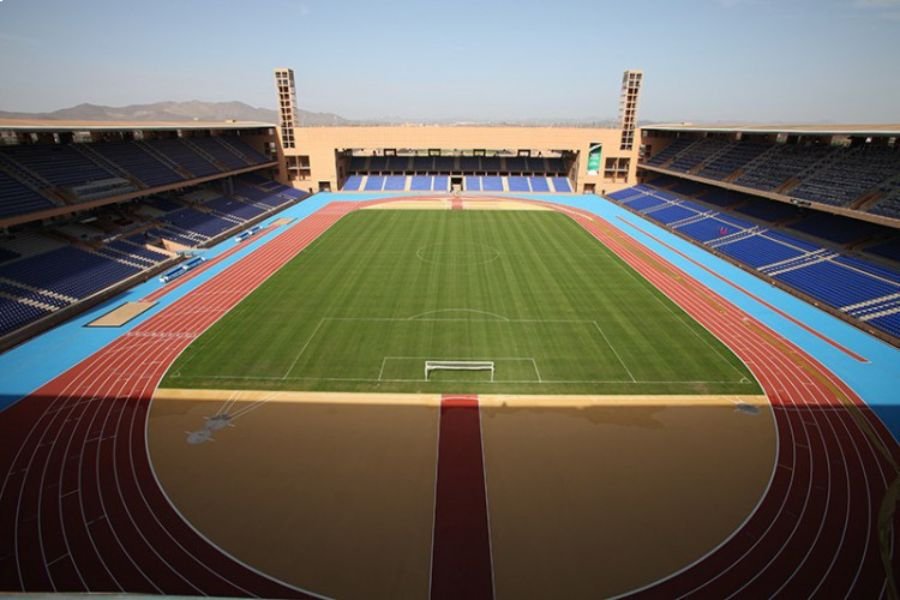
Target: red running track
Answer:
[[85, 511], [461, 557], [815, 532], [80, 508]]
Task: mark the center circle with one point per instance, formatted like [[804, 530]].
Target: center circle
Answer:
[[457, 254]]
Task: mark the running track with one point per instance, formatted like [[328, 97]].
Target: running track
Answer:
[[80, 508]]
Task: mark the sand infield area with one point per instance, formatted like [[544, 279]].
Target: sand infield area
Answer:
[[604, 493], [468, 203]]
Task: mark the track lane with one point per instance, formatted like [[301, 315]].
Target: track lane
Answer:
[[817, 516]]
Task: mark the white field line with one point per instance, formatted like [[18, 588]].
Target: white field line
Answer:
[[611, 347], [531, 381], [303, 349]]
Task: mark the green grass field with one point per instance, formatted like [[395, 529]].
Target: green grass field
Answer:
[[381, 292]]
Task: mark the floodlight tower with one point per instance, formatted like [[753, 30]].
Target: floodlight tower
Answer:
[[628, 105], [287, 105]]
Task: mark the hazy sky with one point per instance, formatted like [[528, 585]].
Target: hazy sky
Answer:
[[749, 60]]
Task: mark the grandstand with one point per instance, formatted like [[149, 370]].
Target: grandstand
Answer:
[[811, 200], [619, 327], [121, 208]]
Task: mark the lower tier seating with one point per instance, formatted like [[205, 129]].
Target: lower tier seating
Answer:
[[857, 287]]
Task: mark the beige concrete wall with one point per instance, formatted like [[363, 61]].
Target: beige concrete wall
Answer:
[[321, 145]]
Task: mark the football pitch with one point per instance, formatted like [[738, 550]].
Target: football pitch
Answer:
[[383, 291]]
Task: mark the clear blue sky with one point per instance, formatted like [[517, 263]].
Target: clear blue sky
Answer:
[[748, 60]]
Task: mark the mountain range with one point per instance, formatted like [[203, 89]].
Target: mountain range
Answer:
[[194, 110]]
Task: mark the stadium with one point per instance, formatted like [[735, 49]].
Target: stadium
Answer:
[[280, 360]]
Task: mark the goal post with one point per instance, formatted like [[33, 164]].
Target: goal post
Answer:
[[458, 365]]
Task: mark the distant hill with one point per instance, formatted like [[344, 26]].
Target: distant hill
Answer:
[[175, 111]]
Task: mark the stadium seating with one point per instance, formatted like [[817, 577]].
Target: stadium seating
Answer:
[[69, 271], [833, 228], [518, 183], [888, 205], [421, 183], [671, 151], [60, 164], [18, 198], [179, 153], [202, 223], [15, 314], [244, 149], [697, 153], [781, 164], [441, 183], [854, 172], [473, 183], [137, 161], [444, 164], [733, 159], [219, 151], [562, 185], [353, 183], [233, 209], [423, 164], [539, 184], [857, 287], [375, 183], [395, 183], [491, 183], [6, 255], [491, 164]]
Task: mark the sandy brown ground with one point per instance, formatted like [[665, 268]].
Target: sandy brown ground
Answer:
[[470, 204], [446, 204], [433, 204], [327, 492], [121, 315], [592, 497], [588, 495]]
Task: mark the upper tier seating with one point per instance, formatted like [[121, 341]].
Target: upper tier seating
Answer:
[[853, 173], [733, 159], [491, 164], [398, 164], [16, 198], [783, 163], [696, 154], [179, 153], [140, 163], [888, 205], [670, 151], [243, 148], [219, 151], [423, 164], [60, 164]]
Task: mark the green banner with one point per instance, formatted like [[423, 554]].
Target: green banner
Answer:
[[593, 162]]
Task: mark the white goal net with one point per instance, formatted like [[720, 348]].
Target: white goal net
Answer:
[[458, 365]]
